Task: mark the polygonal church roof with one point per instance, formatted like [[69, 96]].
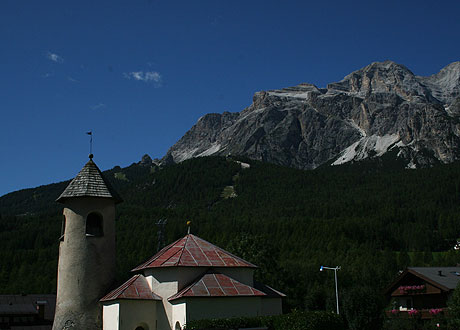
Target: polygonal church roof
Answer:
[[192, 251], [215, 284], [134, 288], [89, 183]]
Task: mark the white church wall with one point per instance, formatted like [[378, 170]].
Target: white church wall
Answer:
[[163, 322], [134, 313], [205, 308], [178, 315], [170, 280], [110, 316], [167, 281]]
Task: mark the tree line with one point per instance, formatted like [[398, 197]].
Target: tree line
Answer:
[[372, 219]]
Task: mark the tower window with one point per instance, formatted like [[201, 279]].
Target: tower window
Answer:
[[61, 238], [94, 225]]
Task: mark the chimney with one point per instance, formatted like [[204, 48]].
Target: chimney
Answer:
[[440, 273]]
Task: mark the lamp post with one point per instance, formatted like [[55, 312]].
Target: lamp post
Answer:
[[335, 269]]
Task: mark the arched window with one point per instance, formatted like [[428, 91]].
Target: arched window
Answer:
[[177, 327], [62, 228], [142, 327], [94, 225]]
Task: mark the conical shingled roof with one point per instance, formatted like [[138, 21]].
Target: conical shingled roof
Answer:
[[215, 284], [192, 251], [90, 183]]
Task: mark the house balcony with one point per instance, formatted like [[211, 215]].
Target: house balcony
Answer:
[[424, 314]]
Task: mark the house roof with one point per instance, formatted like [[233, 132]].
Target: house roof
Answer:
[[446, 280], [18, 309], [27, 304], [192, 251], [449, 276], [134, 288], [215, 284], [91, 183]]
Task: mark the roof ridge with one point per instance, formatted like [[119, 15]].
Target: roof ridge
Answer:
[[188, 287], [213, 272], [225, 251], [182, 251], [122, 288], [210, 262], [155, 256], [141, 287]]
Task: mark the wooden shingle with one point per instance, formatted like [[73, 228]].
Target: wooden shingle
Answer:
[[89, 183]]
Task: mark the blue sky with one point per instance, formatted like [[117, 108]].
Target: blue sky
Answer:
[[140, 73]]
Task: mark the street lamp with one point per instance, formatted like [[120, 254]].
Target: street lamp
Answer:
[[335, 269]]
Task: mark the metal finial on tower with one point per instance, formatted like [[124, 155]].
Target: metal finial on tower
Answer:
[[90, 133], [188, 227]]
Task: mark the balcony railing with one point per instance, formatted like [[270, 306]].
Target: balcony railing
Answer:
[[426, 313]]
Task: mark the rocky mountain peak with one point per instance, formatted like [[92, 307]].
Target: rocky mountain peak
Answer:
[[373, 110], [383, 77], [146, 160], [445, 85]]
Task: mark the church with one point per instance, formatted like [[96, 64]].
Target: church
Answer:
[[189, 279]]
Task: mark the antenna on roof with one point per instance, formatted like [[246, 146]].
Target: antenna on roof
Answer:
[[90, 133], [188, 227], [161, 233]]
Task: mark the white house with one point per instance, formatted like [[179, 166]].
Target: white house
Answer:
[[187, 280]]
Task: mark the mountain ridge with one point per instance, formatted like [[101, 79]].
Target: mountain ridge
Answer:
[[377, 108]]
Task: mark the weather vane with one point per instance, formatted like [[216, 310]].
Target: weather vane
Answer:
[[90, 133], [188, 226]]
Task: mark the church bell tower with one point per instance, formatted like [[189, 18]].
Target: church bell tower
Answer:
[[86, 268]]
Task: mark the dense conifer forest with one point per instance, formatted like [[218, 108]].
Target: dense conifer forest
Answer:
[[370, 218]]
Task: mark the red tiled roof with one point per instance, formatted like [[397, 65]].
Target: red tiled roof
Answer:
[[135, 288], [214, 284], [192, 251]]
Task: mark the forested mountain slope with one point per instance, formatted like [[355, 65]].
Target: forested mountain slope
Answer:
[[371, 218]]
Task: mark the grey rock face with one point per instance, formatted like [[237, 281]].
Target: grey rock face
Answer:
[[146, 160], [371, 111]]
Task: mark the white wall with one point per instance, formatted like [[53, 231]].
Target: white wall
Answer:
[[110, 316], [170, 280], [178, 314], [134, 313], [127, 314], [167, 281]]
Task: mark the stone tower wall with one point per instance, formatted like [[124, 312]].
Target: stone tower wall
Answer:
[[86, 269]]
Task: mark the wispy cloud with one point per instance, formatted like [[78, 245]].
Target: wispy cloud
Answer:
[[48, 74], [148, 76], [98, 106], [69, 78], [54, 57]]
